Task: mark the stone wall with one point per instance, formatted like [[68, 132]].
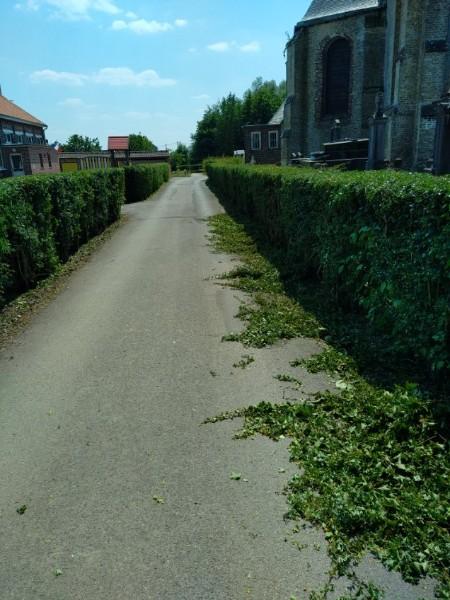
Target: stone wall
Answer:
[[305, 127], [417, 74]]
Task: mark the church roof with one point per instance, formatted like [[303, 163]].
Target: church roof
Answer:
[[321, 9], [278, 117]]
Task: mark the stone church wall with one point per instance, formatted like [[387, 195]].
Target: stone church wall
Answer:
[[305, 127], [416, 77]]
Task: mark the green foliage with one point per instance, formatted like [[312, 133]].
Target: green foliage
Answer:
[[80, 143], [375, 475], [139, 142], [46, 218], [374, 469], [379, 242], [262, 100], [219, 131], [329, 361], [180, 157], [142, 180], [244, 362], [272, 315]]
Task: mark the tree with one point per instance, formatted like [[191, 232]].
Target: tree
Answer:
[[204, 140], [79, 143], [219, 131], [229, 131], [262, 100], [140, 142], [180, 157]]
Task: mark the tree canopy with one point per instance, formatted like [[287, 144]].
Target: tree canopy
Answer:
[[80, 143], [180, 157], [140, 142], [219, 131]]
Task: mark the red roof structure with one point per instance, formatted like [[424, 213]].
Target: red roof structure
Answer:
[[118, 142], [11, 111]]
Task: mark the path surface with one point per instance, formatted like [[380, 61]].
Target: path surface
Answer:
[[101, 404]]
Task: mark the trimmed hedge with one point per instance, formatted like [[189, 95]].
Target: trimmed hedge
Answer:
[[46, 218], [379, 241], [143, 180]]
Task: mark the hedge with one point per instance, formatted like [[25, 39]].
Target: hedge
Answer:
[[143, 180], [45, 218], [378, 241]]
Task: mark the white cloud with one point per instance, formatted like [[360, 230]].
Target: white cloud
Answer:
[[124, 76], [144, 26], [114, 76], [227, 46], [220, 47], [76, 103], [63, 77], [131, 15], [72, 9], [118, 25], [251, 47], [201, 97], [31, 5]]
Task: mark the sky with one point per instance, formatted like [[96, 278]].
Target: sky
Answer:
[[114, 67]]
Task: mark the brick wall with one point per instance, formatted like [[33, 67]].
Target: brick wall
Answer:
[[265, 155], [31, 158]]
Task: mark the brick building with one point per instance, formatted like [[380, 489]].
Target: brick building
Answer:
[[262, 142], [23, 147], [348, 56]]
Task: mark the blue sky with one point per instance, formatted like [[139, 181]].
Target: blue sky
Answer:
[[111, 67]]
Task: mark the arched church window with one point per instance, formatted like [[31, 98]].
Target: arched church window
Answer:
[[337, 67]]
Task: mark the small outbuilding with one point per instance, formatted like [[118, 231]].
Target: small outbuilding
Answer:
[[263, 142]]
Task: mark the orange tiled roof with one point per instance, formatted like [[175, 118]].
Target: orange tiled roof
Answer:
[[118, 142], [12, 111]]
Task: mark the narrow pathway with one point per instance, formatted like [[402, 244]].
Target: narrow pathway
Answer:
[[127, 495]]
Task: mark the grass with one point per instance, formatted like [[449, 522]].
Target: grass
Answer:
[[375, 469]]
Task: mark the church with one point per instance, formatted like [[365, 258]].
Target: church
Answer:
[[376, 72]]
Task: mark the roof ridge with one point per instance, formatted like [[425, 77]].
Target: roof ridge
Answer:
[[319, 9]]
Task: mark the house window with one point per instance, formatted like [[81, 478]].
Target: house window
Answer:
[[337, 62], [7, 135], [49, 160], [16, 163], [41, 160], [273, 140], [256, 140]]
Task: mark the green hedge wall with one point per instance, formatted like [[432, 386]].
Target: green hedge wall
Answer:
[[45, 218], [379, 241], [143, 180]]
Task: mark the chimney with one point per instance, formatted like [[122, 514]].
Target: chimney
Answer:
[[1, 90]]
